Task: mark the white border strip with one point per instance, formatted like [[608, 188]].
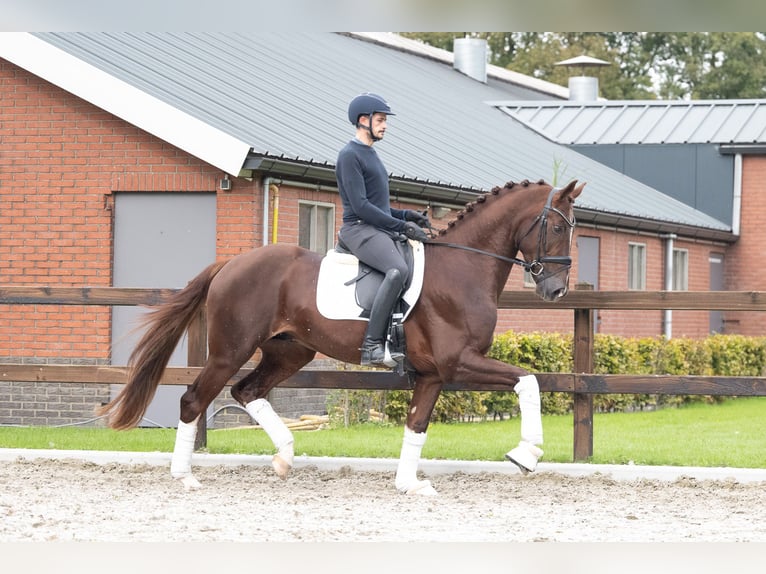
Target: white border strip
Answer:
[[428, 466], [125, 101]]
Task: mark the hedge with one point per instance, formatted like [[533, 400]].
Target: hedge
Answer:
[[722, 355]]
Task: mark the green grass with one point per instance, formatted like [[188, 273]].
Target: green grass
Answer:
[[732, 433]]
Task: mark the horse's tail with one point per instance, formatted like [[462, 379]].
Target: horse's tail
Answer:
[[165, 326]]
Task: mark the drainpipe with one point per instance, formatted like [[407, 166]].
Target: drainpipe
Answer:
[[265, 187], [668, 313], [275, 215], [737, 203]]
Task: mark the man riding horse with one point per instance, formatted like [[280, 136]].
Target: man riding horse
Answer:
[[370, 225]]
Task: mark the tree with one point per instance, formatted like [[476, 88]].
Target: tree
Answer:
[[646, 65], [705, 65]]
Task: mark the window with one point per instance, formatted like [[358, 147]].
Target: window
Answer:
[[636, 266], [680, 270], [316, 226]]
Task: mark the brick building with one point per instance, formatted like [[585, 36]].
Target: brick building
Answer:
[[100, 131]]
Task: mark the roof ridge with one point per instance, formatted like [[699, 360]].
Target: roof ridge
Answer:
[[396, 41]]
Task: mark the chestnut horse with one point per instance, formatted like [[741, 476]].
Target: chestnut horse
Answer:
[[266, 299]]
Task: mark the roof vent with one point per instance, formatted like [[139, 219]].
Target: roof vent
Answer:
[[583, 88], [470, 58]]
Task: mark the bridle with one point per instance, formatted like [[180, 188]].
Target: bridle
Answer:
[[537, 265]]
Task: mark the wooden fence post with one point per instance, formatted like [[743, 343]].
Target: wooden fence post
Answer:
[[583, 363], [196, 357]]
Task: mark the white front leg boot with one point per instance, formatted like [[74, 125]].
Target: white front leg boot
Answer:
[[264, 415], [526, 455], [180, 463], [406, 480]]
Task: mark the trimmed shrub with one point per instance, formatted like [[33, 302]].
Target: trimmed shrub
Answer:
[[721, 355]]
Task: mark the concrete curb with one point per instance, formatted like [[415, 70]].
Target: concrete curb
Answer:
[[429, 467]]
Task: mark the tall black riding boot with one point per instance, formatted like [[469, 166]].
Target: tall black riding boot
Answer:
[[373, 347]]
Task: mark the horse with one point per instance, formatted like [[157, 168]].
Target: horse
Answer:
[[265, 299]]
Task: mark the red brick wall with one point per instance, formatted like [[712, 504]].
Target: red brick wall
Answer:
[[613, 276], [62, 159], [745, 266]]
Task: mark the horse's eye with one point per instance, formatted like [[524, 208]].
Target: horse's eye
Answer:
[[558, 229]]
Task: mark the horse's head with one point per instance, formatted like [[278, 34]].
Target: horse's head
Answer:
[[547, 240]]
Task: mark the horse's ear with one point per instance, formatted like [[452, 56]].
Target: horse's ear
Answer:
[[572, 190]]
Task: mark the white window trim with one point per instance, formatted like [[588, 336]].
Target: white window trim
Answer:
[[642, 278], [685, 286], [313, 224]]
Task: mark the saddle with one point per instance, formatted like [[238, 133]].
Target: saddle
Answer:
[[346, 288]]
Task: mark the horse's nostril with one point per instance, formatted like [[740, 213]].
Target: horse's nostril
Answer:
[[559, 293]]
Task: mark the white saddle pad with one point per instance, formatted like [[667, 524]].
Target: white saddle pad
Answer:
[[335, 300]]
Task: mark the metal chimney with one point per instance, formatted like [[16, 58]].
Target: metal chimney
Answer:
[[583, 88], [470, 57]]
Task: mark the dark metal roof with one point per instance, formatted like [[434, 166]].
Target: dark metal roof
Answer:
[[644, 122], [285, 96]]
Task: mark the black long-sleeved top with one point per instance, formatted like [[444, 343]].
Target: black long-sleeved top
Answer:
[[363, 186]]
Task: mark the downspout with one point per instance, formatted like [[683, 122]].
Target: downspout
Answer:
[[265, 183], [668, 313], [736, 207], [275, 215]]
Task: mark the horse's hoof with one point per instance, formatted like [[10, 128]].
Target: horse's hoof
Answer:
[[525, 456], [189, 482], [421, 488], [281, 466]]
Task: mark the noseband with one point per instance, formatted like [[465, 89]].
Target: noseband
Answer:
[[536, 266]]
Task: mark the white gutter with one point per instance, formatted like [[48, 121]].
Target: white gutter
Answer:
[[124, 101]]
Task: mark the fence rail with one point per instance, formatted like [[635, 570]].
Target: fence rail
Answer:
[[582, 384]]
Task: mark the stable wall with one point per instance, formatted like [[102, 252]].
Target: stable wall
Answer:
[[63, 159]]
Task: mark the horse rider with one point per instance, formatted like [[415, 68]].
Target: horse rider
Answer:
[[370, 225]]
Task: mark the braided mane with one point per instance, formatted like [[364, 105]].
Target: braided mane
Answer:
[[473, 205]]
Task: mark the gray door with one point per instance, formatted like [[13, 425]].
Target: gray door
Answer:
[[587, 260], [161, 240], [587, 266], [716, 284]]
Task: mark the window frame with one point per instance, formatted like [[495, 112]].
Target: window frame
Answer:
[[313, 230], [636, 277], [680, 256]]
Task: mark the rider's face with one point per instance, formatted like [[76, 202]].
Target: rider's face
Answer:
[[379, 124]]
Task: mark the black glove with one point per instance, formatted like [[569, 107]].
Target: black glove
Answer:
[[420, 218], [412, 231]]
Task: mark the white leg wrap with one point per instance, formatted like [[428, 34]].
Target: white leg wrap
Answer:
[[406, 473], [280, 435], [180, 463], [528, 392]]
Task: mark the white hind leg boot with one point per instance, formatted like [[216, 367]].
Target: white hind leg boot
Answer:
[[406, 473], [526, 455], [180, 463], [280, 435]]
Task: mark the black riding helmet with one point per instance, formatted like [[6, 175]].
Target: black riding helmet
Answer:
[[367, 104]]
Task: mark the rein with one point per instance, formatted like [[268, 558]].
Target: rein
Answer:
[[535, 267], [527, 266]]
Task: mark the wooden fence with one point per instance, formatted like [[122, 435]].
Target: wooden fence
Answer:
[[582, 383]]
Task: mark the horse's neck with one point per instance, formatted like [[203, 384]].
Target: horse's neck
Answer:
[[494, 227], [491, 229]]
